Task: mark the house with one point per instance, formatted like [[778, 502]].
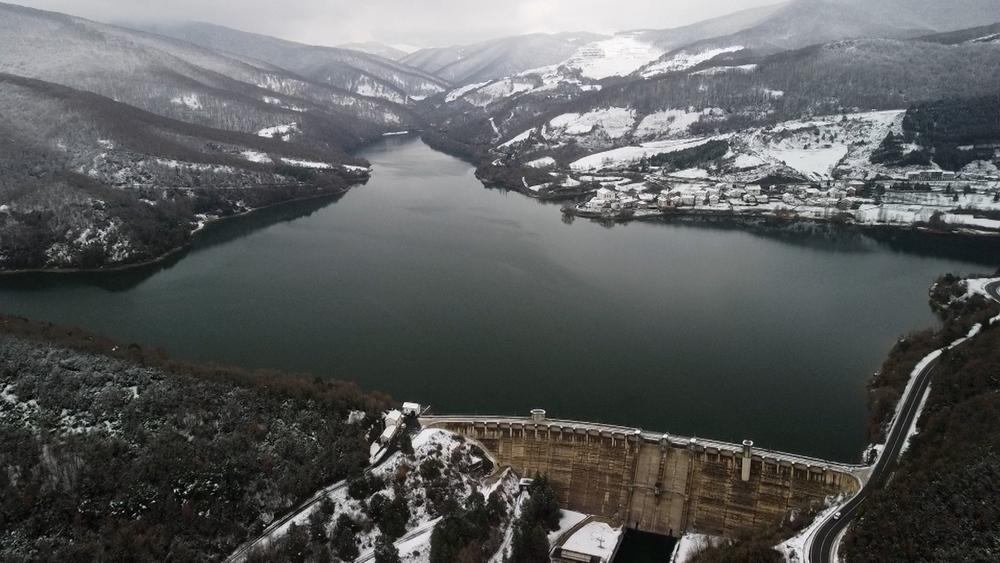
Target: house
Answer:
[[393, 418], [754, 190], [388, 434], [604, 194], [411, 409]]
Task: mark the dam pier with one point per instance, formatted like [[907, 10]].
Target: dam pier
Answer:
[[655, 482]]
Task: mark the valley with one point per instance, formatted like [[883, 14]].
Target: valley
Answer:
[[715, 231]]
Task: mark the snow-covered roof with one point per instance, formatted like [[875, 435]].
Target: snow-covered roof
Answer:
[[594, 539]]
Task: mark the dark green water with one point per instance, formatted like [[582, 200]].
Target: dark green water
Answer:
[[426, 286]]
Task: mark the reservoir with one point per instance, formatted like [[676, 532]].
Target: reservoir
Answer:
[[424, 285]]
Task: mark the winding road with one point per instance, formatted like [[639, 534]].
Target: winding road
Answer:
[[828, 534]]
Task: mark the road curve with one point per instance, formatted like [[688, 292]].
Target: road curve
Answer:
[[825, 539]]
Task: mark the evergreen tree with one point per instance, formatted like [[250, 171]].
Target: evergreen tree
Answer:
[[529, 544], [385, 550]]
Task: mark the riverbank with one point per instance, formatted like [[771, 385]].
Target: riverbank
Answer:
[[201, 226]]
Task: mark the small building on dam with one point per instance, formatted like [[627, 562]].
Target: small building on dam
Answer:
[[657, 483]]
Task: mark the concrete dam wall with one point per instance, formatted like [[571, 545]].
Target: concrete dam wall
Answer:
[[655, 482]]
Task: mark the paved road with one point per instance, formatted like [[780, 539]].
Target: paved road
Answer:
[[821, 550], [994, 290]]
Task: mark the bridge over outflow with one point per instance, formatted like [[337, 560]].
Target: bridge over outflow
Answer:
[[654, 482]]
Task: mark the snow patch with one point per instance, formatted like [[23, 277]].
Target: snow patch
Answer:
[[307, 164], [614, 122], [258, 157], [690, 544], [545, 162], [684, 61], [189, 101], [283, 132]]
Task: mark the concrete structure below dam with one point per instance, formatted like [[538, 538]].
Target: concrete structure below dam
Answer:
[[654, 482]]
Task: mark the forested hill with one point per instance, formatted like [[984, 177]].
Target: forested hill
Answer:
[[115, 144], [943, 503], [112, 452]]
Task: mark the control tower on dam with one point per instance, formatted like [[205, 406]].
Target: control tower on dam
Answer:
[[655, 482]]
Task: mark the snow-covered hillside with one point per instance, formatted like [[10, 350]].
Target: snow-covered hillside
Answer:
[[620, 55]]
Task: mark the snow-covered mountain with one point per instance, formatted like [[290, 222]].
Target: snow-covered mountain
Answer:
[[982, 34], [180, 80], [87, 182], [392, 53], [803, 23], [115, 144], [362, 73], [498, 58]]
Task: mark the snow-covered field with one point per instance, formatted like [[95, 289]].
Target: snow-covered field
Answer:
[[613, 122], [669, 123], [620, 55], [283, 132], [629, 155], [685, 61]]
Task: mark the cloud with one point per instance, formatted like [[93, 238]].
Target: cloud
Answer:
[[417, 22]]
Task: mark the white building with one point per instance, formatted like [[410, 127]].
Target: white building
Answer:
[[604, 194]]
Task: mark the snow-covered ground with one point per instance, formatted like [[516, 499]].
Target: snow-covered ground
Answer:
[[189, 101], [913, 429], [258, 157], [613, 122], [283, 132], [307, 164], [626, 156], [414, 546], [690, 544], [620, 55], [794, 549], [669, 123], [684, 61], [568, 519]]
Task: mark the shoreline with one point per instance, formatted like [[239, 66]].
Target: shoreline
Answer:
[[174, 252], [708, 216]]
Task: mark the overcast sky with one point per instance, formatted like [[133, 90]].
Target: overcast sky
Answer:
[[420, 23]]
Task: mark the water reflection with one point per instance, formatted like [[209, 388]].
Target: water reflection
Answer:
[[828, 237], [214, 234]]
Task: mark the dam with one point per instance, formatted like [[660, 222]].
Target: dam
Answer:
[[655, 482]]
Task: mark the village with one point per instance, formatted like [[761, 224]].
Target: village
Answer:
[[941, 200]]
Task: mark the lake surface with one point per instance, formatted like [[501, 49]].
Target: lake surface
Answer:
[[429, 287]]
